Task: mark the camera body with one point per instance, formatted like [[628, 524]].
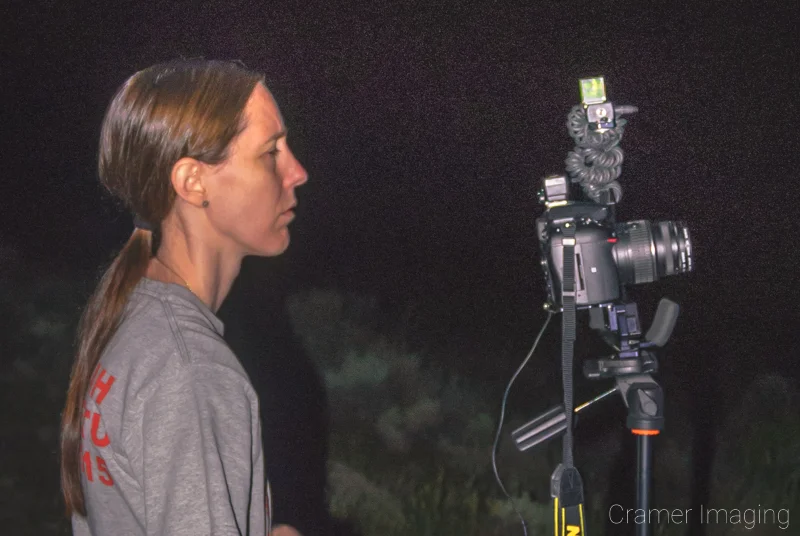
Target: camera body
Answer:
[[607, 255]]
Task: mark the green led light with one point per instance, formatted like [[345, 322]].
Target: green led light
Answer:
[[593, 90]]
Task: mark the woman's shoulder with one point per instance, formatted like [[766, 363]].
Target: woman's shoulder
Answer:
[[165, 331]]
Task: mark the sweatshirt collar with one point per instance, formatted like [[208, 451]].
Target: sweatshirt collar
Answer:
[[173, 291]]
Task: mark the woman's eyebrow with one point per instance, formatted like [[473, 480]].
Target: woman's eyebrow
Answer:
[[279, 134]]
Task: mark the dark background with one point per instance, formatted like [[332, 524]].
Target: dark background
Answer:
[[425, 130]]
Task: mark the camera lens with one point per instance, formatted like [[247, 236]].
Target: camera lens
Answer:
[[647, 251]]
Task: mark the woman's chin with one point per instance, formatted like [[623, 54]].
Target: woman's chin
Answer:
[[278, 243]]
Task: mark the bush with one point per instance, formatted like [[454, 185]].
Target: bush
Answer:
[[411, 435], [38, 341], [758, 454]]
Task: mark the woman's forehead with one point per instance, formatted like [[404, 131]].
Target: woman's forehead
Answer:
[[263, 116]]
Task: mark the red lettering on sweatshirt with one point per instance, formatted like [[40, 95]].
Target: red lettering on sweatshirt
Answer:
[[101, 386], [96, 439], [97, 370], [102, 468], [87, 465], [104, 475]]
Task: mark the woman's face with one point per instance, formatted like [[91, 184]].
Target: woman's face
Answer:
[[251, 195]]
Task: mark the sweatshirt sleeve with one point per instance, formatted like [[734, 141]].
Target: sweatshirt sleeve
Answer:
[[199, 454]]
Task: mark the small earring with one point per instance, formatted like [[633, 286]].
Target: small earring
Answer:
[[205, 203]]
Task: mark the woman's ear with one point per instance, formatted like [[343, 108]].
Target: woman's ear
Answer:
[[187, 179]]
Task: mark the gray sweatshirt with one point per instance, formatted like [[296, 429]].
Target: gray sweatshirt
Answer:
[[171, 431]]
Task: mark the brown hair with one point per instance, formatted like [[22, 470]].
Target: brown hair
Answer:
[[183, 108]]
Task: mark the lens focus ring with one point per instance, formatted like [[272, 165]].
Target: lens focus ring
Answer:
[[641, 246]]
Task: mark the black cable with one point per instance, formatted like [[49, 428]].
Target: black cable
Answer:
[[502, 414], [596, 161]]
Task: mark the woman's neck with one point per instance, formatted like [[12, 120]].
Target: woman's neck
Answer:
[[189, 261]]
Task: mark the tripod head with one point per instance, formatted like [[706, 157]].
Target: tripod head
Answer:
[[619, 326], [630, 366]]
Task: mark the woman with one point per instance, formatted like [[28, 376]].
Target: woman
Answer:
[[161, 431]]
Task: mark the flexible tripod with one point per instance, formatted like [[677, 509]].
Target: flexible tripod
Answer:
[[631, 368]]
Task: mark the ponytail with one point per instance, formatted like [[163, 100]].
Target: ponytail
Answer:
[[98, 324]]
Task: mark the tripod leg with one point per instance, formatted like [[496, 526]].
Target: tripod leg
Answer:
[[644, 455]]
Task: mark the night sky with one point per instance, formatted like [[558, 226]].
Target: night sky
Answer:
[[426, 130]]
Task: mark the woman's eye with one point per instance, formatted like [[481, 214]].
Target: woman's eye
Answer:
[[271, 154]]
